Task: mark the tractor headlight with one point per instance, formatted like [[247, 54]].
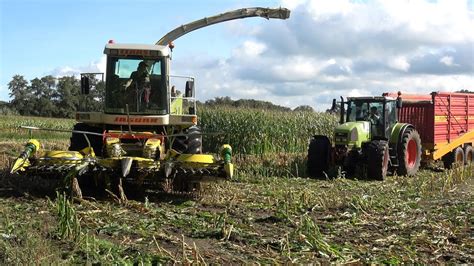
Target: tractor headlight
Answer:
[[354, 136]]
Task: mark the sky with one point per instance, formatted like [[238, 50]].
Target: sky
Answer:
[[326, 49]]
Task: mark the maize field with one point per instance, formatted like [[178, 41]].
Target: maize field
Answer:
[[268, 213]]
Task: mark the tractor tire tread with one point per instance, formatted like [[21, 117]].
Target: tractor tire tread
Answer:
[[377, 159]]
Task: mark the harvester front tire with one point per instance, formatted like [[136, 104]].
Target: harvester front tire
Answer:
[[79, 142], [318, 156], [377, 159], [190, 144], [409, 153], [194, 141]]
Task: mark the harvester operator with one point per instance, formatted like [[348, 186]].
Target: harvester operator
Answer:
[[140, 81]]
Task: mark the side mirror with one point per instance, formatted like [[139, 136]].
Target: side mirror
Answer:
[[399, 102], [85, 85], [189, 91]]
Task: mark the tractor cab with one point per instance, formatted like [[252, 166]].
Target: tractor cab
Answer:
[[379, 113], [363, 119]]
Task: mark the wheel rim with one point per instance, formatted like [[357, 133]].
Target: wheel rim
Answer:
[[412, 153]]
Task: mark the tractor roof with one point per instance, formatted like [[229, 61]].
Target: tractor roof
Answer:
[[136, 49], [370, 98]]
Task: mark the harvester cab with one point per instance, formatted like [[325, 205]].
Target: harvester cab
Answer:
[[369, 140]]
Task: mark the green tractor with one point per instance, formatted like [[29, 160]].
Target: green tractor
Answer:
[[369, 141]]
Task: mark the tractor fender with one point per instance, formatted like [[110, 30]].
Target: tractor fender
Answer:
[[396, 137]]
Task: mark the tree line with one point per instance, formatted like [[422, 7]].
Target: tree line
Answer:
[[49, 96]]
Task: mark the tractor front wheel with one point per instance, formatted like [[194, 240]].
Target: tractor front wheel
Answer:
[[409, 153], [377, 159], [318, 156]]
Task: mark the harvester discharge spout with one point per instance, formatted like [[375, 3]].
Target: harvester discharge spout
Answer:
[[268, 13]]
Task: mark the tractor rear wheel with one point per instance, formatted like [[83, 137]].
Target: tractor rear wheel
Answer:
[[79, 142], [454, 158], [318, 156], [409, 153], [377, 159], [469, 154]]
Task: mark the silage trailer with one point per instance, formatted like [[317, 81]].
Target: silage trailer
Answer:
[[445, 121]]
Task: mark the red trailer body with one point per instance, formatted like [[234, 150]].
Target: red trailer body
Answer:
[[445, 120]]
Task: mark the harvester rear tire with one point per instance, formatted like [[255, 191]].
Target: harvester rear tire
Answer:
[[409, 153], [468, 155], [79, 142], [318, 156], [455, 157], [377, 159]]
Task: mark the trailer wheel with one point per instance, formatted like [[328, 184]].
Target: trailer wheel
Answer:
[[468, 155], [455, 157], [79, 142], [318, 156], [409, 154], [377, 159]]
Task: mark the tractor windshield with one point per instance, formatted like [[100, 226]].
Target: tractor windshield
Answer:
[[140, 85], [366, 110]]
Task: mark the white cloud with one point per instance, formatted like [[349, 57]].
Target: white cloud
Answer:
[[251, 48], [399, 63], [98, 66], [447, 60]]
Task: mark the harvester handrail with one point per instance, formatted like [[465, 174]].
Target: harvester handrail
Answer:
[[268, 13], [121, 132], [182, 76], [62, 130]]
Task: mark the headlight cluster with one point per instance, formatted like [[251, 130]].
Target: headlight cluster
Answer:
[[354, 134]]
